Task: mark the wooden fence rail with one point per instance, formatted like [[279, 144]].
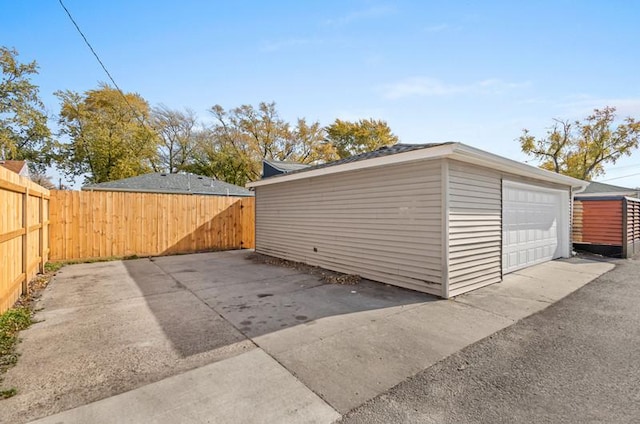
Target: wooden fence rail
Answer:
[[24, 227], [99, 224]]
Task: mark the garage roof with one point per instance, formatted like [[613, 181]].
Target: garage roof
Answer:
[[401, 153]]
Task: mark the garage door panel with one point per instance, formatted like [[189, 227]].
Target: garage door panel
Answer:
[[533, 223]]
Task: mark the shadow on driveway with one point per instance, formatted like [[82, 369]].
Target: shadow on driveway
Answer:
[[203, 293]]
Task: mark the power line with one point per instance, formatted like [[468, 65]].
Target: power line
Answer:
[[135, 112], [624, 176], [617, 168]]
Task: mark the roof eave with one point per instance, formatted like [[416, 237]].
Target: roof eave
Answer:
[[413, 155], [472, 155], [457, 151]]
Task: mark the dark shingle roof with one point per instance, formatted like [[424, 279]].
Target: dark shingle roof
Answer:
[[383, 151], [602, 188], [172, 184]]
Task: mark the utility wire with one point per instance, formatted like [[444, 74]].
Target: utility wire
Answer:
[[624, 176], [135, 112]]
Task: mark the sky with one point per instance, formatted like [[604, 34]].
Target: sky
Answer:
[[473, 72]]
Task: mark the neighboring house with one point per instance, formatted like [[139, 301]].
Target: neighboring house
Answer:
[[20, 167], [172, 184], [442, 218], [595, 189], [271, 168], [606, 220]]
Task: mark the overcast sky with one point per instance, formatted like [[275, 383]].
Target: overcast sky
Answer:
[[474, 72]]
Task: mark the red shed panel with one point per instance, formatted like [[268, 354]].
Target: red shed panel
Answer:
[[602, 222]]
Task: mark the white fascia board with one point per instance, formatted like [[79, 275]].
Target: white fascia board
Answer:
[[472, 155], [430, 153], [607, 194]]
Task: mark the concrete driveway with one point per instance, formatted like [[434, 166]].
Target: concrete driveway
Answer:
[[575, 362], [217, 337]]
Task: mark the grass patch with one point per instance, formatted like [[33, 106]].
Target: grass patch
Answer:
[[11, 322], [6, 394], [52, 267]]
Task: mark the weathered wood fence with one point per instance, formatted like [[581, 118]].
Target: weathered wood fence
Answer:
[[99, 224], [24, 223]]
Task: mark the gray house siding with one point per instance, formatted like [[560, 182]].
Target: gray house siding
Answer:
[[475, 231], [384, 223], [475, 224]]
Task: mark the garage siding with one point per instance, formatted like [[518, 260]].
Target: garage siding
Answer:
[[384, 223], [475, 231]]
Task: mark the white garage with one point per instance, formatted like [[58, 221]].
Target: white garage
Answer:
[[534, 225], [442, 218]]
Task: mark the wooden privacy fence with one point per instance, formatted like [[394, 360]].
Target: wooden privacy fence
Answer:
[[24, 211], [100, 224]]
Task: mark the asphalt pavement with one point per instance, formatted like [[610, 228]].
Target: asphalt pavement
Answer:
[[577, 361]]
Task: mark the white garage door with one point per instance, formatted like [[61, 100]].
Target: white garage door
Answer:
[[535, 226]]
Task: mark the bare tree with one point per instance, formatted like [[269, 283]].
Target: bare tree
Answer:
[[178, 135]]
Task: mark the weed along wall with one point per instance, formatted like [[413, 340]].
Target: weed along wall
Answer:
[[24, 225], [101, 224]]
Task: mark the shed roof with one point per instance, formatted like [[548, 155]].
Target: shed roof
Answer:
[[401, 153], [172, 184]]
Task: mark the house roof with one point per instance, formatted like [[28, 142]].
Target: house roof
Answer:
[[286, 166], [172, 184], [16, 166], [401, 153], [596, 188]]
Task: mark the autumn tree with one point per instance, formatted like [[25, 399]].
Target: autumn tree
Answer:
[[581, 148], [178, 133], [242, 137], [107, 134], [365, 135], [311, 146], [219, 159], [24, 134]]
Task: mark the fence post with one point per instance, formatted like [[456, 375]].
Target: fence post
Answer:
[[41, 233], [25, 240]]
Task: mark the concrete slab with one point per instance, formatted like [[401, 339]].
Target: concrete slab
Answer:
[[532, 289], [219, 295], [107, 328], [143, 320], [107, 282], [350, 367], [317, 330], [249, 388], [509, 305], [255, 316]]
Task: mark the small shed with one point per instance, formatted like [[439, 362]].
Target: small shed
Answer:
[[441, 218], [607, 225]]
